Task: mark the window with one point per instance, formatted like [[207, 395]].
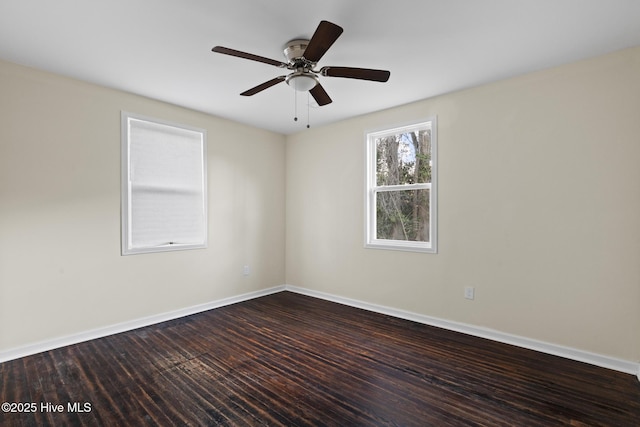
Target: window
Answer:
[[401, 188], [164, 197]]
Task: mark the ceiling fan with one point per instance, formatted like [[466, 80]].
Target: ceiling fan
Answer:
[[302, 58]]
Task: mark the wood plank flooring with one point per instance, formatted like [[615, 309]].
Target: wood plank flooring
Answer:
[[291, 360]]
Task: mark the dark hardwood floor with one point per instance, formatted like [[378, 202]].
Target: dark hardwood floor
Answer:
[[292, 360]]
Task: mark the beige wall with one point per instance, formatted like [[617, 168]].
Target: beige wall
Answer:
[[61, 272], [539, 203], [539, 200]]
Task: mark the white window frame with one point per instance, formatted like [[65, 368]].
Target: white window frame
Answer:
[[126, 188], [372, 189]]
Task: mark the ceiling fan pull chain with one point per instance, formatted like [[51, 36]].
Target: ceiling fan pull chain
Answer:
[[295, 104], [308, 126]]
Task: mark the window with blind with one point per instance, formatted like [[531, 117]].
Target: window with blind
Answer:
[[164, 197]]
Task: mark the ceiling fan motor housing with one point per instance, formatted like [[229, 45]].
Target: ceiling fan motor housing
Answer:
[[294, 50], [303, 79]]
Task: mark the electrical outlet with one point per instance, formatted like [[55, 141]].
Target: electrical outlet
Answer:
[[469, 292], [246, 270]]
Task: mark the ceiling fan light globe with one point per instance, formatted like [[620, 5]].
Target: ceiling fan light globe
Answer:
[[302, 82]]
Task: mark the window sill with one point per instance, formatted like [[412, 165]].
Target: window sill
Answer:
[[399, 245]]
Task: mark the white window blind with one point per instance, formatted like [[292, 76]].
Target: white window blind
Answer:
[[164, 178]]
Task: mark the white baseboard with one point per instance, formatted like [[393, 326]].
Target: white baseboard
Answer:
[[544, 347], [129, 325]]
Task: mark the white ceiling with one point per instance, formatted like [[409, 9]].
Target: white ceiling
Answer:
[[162, 48]]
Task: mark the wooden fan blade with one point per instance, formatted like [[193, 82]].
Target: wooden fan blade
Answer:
[[356, 73], [263, 86], [325, 35], [245, 55], [320, 95]]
